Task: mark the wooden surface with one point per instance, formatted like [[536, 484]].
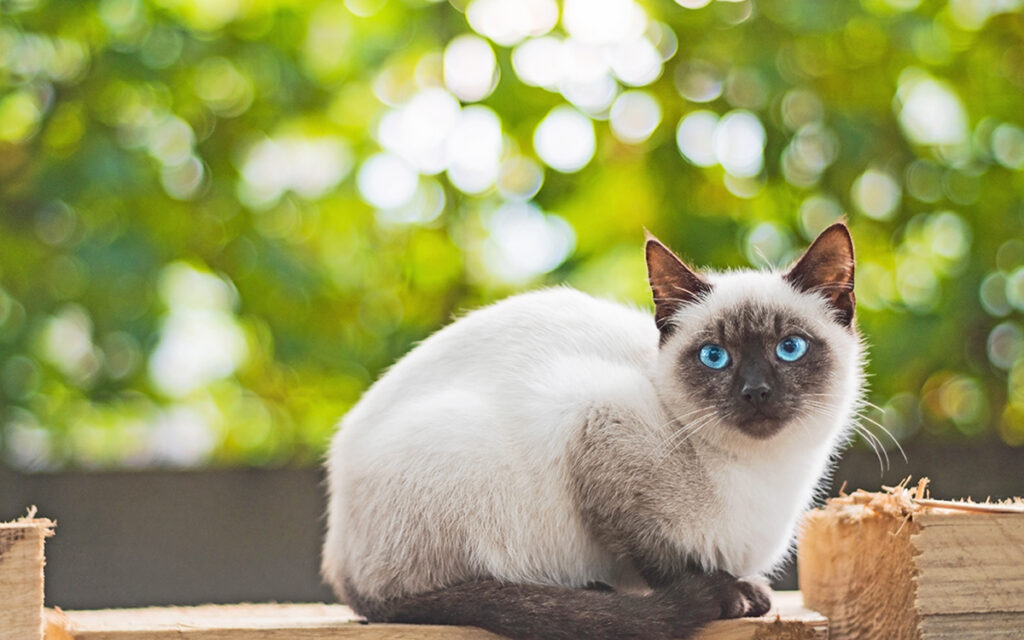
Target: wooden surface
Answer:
[[970, 563], [970, 581], [895, 565], [21, 578], [789, 621], [235, 622]]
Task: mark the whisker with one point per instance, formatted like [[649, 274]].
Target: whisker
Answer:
[[862, 429], [668, 443], [764, 258], [887, 432], [689, 433], [860, 413], [801, 415], [685, 415], [877, 441], [869, 439], [873, 406], [703, 426]]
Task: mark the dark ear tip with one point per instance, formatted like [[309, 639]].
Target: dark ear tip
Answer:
[[653, 246], [837, 227], [837, 232]]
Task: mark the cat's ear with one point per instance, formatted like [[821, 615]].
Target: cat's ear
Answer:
[[826, 268], [673, 283]]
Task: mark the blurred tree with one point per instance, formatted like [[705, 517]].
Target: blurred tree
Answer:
[[220, 219]]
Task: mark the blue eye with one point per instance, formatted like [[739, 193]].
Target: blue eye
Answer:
[[714, 356], [791, 348]]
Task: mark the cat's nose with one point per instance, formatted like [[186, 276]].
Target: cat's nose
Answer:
[[756, 393]]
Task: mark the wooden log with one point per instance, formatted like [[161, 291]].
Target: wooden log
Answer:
[[899, 565], [788, 621], [21, 577]]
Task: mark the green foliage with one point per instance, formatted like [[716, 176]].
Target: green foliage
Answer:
[[221, 219]]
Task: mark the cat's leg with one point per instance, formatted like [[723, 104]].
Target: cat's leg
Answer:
[[630, 500], [537, 612]]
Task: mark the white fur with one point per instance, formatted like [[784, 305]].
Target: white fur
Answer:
[[453, 465]]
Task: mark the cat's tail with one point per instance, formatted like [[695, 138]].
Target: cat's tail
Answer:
[[537, 612]]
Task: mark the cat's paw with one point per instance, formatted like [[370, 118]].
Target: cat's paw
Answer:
[[703, 597], [758, 595], [740, 598]]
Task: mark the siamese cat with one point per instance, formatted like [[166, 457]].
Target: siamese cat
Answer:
[[558, 466]]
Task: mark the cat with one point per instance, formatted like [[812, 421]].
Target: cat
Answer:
[[559, 466]]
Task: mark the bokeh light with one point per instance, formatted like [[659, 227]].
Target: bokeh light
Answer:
[[698, 81], [474, 150], [739, 141], [767, 245], [520, 178], [538, 62], [470, 68], [524, 242], [506, 22], [993, 295], [695, 137], [816, 213], [419, 130], [634, 116], [386, 181], [876, 194], [1008, 146], [565, 140], [200, 340], [1015, 289], [930, 111], [1005, 345], [308, 167], [810, 152], [603, 21]]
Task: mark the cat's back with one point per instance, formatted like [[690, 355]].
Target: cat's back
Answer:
[[516, 346]]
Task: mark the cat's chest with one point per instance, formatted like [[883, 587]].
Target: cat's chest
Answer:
[[755, 511]]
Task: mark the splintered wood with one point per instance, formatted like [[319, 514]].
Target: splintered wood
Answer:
[[21, 578], [898, 565], [789, 621]]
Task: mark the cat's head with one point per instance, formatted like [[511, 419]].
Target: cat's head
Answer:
[[749, 355]]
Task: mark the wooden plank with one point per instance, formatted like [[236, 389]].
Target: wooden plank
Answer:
[[978, 507], [970, 562], [972, 626], [235, 622], [21, 578], [789, 620], [898, 565]]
